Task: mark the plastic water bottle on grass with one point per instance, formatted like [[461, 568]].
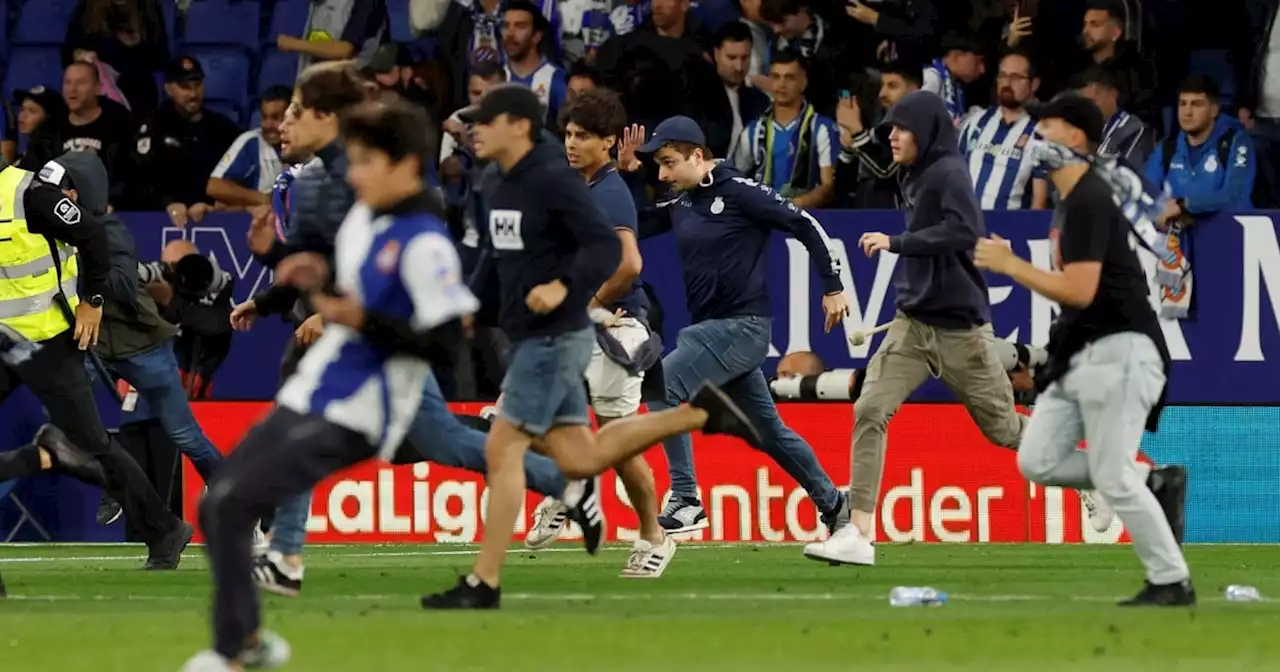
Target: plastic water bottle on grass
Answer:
[[911, 596], [1243, 594]]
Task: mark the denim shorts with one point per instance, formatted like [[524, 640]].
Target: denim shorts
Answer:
[[545, 385]]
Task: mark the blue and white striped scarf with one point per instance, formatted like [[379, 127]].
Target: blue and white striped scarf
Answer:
[[1143, 206]]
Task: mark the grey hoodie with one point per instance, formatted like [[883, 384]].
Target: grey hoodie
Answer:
[[131, 322], [936, 280]]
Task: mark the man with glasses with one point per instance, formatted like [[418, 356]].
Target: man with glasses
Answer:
[[994, 142]]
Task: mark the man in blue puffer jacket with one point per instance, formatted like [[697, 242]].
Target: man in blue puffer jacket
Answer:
[[1210, 164]]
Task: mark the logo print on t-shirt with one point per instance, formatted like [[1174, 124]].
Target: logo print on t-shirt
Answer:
[[504, 229]]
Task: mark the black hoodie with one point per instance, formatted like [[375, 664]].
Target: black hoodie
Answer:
[[936, 280], [131, 321]]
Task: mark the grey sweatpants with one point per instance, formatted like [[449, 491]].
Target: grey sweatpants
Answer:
[[1105, 399], [910, 353]]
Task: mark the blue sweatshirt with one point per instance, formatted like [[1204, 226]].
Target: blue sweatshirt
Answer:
[[722, 230], [1196, 174], [543, 226], [936, 280]]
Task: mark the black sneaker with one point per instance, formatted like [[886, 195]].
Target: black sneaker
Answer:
[[1169, 485], [167, 552], [470, 593], [683, 514], [268, 575], [724, 416], [67, 458], [584, 509], [109, 510], [1181, 594]]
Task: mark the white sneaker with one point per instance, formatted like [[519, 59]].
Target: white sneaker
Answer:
[[548, 520], [648, 561], [1101, 515], [847, 546], [260, 544], [207, 661], [271, 652]]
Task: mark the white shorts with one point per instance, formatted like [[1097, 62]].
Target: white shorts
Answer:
[[614, 392]]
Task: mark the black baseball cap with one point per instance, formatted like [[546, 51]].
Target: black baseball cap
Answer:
[[674, 129], [516, 101], [183, 70], [1074, 109], [50, 100]]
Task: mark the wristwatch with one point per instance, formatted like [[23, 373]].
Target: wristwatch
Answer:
[[94, 300]]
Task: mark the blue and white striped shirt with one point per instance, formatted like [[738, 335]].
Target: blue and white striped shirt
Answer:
[[400, 266], [551, 85], [999, 162], [250, 162]]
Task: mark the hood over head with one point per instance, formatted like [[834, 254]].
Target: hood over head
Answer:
[[925, 115], [83, 172]]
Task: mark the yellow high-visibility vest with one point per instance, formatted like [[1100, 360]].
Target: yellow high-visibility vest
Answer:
[[28, 280]]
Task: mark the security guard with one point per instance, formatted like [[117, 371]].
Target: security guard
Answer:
[[44, 239]]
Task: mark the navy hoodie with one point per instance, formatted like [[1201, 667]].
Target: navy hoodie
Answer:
[[722, 230], [936, 280], [543, 226]]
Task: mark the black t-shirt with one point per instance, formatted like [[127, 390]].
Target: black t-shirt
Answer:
[[110, 136], [1088, 226]]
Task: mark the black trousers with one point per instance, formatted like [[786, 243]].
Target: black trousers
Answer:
[[19, 463], [284, 456], [57, 377]]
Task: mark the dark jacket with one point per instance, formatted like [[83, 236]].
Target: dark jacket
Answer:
[[543, 226], [936, 280], [321, 198], [131, 322], [661, 77], [722, 231], [174, 156], [1137, 80], [204, 337], [866, 176]]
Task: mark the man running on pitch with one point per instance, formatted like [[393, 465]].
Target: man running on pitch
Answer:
[[722, 223], [625, 347]]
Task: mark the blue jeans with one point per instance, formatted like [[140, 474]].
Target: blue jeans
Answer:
[[728, 353], [154, 374], [437, 436], [544, 385]]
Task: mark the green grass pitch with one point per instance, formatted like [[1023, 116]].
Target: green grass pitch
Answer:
[[740, 608]]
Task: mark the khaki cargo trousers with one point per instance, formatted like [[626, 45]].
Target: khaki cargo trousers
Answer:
[[911, 352]]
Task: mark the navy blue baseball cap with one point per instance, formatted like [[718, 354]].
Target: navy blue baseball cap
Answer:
[[675, 129]]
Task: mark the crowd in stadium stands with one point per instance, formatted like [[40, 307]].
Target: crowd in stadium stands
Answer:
[[183, 98]]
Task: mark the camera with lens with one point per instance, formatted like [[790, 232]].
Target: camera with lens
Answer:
[[193, 275]]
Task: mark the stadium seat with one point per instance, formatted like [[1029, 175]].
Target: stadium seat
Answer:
[[278, 68], [43, 23], [289, 17], [226, 107], [223, 23], [226, 75], [33, 66], [399, 25]]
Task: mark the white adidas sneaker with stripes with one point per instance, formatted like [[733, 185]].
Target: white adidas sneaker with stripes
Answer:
[[548, 520], [648, 561]]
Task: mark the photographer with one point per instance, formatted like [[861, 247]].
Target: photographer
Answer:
[[135, 342], [193, 293]]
